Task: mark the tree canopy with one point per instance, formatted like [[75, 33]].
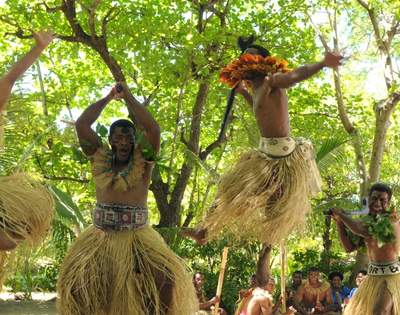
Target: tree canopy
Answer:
[[170, 54]]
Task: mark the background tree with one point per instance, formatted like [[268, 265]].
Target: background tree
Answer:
[[170, 54]]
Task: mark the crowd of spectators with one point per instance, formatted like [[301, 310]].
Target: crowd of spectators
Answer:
[[307, 295]]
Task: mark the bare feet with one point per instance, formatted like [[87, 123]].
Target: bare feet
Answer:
[[198, 235]]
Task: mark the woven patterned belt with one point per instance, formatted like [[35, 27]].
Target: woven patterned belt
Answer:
[[277, 147], [119, 217], [383, 269]]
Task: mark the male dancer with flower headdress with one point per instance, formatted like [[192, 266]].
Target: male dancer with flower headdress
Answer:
[[120, 265], [266, 193], [26, 207]]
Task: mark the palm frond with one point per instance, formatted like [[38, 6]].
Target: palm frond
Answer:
[[9, 153], [66, 207], [331, 151], [193, 158], [344, 203]]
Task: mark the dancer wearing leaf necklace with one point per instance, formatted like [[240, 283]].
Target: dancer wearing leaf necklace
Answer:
[[379, 293], [120, 265], [266, 194]]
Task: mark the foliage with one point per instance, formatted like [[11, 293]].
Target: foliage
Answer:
[[380, 227], [170, 53]]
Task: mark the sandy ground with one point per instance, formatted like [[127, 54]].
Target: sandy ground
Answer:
[[27, 308], [40, 305]]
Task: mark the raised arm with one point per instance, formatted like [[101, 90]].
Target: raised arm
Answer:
[[143, 118], [348, 245], [354, 226], [288, 79], [87, 137], [43, 39]]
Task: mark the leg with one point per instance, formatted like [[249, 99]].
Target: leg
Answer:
[[384, 302], [262, 273], [165, 289]]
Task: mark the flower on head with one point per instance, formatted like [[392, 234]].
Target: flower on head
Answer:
[[250, 64]]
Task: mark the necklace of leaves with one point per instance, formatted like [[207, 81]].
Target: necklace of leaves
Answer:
[[381, 226]]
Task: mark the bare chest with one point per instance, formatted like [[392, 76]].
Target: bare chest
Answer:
[[135, 195]]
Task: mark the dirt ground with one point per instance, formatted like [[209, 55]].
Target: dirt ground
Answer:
[[28, 308]]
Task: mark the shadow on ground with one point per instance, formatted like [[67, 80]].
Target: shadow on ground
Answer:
[[28, 308]]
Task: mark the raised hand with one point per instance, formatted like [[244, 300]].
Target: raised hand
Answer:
[[118, 91], [332, 60], [43, 38]]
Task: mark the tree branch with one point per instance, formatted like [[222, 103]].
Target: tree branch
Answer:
[[110, 15], [382, 117], [73, 179], [69, 10], [51, 9], [344, 118], [384, 46], [217, 143]]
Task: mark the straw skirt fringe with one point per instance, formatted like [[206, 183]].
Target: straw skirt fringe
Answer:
[[362, 303], [26, 207], [263, 198], [120, 273]]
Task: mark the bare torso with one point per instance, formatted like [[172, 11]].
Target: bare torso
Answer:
[[386, 253], [136, 196], [270, 106], [310, 297]]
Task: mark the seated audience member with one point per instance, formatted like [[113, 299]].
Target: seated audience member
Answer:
[[291, 289], [361, 275], [338, 292], [205, 306], [313, 295]]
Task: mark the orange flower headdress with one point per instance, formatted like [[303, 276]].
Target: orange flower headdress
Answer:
[[251, 65]]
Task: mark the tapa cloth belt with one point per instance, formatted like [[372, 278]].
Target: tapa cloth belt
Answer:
[[383, 269], [119, 217], [277, 147]]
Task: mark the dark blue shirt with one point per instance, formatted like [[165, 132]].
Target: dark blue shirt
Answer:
[[343, 293]]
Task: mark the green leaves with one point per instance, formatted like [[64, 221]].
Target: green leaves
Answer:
[[381, 228], [66, 208], [330, 151], [101, 130]]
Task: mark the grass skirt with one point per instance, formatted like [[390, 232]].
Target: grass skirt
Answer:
[[363, 301], [265, 198], [115, 273], [26, 207]]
